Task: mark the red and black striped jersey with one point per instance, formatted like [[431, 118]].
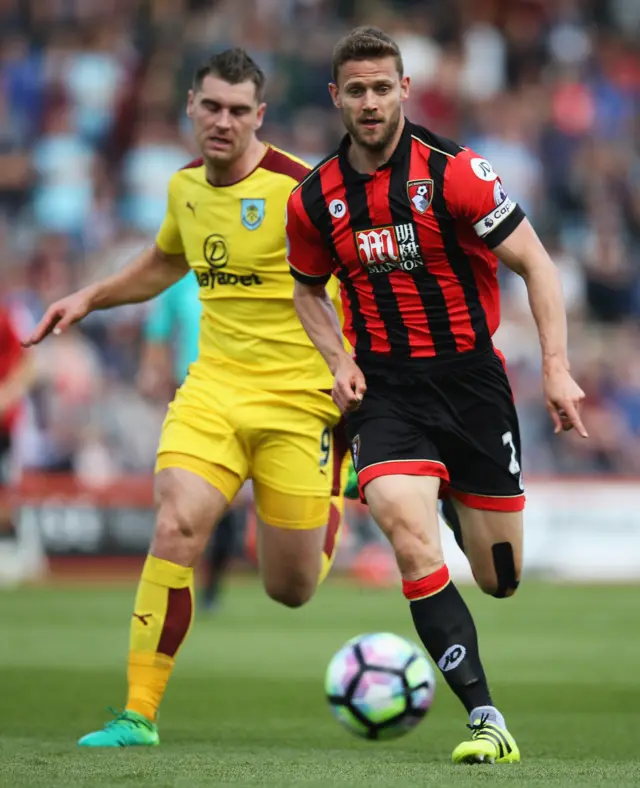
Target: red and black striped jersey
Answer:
[[411, 245]]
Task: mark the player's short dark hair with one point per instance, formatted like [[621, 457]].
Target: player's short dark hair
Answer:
[[233, 66], [365, 43]]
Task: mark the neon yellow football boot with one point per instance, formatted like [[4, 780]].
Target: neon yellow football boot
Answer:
[[489, 743]]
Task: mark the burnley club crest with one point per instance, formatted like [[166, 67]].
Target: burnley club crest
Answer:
[[252, 213], [420, 193]]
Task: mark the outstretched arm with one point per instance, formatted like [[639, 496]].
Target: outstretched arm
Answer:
[[147, 275]]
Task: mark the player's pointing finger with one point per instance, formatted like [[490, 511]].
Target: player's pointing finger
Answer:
[[44, 327], [572, 417]]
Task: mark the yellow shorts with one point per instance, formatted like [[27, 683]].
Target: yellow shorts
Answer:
[[284, 441]]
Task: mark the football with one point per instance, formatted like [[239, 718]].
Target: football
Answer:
[[380, 685]]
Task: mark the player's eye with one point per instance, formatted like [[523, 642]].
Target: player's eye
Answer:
[[355, 91], [382, 89]]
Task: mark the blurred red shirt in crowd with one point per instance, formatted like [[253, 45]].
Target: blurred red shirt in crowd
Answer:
[[11, 357]]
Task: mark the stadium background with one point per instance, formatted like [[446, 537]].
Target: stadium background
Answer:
[[91, 127], [92, 96]]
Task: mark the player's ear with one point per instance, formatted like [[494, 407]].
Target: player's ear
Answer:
[[335, 95], [190, 100], [262, 108], [405, 82]]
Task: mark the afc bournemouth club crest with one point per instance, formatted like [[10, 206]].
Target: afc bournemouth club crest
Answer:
[[420, 193], [252, 213]]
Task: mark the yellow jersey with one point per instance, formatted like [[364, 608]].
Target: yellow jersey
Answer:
[[233, 238]]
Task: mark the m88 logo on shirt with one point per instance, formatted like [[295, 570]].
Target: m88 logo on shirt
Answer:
[[385, 249]]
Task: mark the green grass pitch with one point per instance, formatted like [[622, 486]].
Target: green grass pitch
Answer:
[[246, 707]]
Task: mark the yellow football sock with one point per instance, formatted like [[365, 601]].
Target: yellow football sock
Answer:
[[161, 620]]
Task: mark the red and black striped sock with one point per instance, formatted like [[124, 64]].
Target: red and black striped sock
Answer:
[[445, 626]]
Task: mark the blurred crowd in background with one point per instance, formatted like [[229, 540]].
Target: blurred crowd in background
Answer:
[[92, 126]]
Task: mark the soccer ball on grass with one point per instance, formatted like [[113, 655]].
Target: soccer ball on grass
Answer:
[[379, 686]]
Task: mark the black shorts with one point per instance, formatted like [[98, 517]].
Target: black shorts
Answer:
[[459, 424]]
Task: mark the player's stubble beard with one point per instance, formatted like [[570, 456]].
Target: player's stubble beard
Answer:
[[373, 146]]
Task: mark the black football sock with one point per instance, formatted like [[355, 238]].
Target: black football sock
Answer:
[[445, 626]]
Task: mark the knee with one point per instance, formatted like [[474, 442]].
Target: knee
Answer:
[[290, 594], [492, 587], [417, 553], [174, 536], [172, 525]]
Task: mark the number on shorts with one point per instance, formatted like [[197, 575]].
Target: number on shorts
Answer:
[[325, 446], [514, 465]]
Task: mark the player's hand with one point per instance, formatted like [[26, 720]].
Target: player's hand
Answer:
[[564, 399], [349, 385], [60, 315]]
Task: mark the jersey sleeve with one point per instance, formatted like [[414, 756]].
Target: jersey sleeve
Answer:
[[159, 324], [310, 261], [474, 193], [168, 238]]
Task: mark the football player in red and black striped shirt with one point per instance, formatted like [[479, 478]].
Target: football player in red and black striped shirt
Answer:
[[413, 226]]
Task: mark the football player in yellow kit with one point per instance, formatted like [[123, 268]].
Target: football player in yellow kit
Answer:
[[256, 403]]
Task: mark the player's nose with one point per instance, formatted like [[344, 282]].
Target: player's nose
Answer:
[[370, 101], [223, 119]]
